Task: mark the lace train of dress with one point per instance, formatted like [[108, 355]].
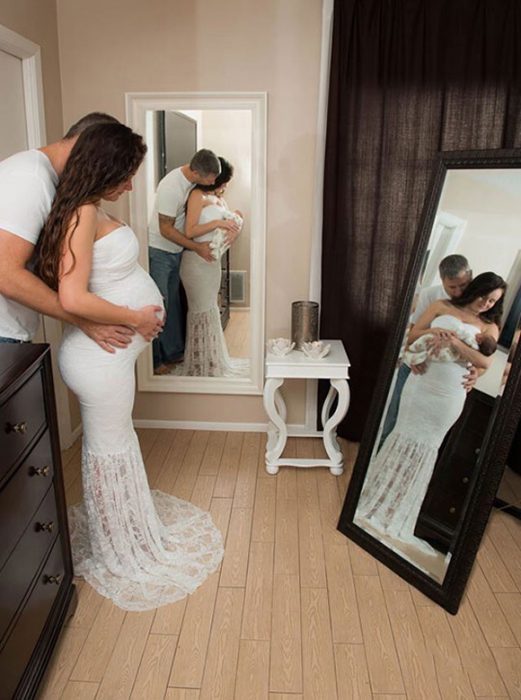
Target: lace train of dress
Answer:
[[139, 548], [399, 475], [206, 353]]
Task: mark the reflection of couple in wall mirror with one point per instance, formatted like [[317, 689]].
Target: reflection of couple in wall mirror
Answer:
[[450, 353], [193, 236]]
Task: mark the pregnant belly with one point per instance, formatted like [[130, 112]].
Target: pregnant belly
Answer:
[[431, 403], [134, 290]]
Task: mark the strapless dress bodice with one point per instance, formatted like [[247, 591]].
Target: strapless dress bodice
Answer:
[[451, 323], [116, 274], [210, 213]]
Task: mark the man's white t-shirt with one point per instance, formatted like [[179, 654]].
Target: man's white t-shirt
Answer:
[[171, 195], [427, 297], [27, 187]]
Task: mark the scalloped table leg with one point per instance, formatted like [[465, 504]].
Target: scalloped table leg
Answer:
[[295, 365], [277, 430], [341, 387]]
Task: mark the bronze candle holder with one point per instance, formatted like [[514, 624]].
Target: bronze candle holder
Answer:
[[304, 322]]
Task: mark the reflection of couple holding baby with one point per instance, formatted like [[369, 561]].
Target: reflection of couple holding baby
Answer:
[[447, 334], [190, 229]]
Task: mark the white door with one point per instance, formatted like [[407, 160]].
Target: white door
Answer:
[[13, 134], [22, 126], [445, 237]]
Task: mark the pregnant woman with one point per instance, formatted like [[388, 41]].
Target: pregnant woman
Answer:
[[208, 219], [140, 548], [398, 477]]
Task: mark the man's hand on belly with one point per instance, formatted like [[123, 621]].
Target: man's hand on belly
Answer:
[[108, 337]]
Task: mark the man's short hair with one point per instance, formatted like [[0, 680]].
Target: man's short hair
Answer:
[[453, 266], [205, 162], [91, 119]]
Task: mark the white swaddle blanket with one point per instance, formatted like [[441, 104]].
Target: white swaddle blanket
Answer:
[[421, 350], [219, 244]]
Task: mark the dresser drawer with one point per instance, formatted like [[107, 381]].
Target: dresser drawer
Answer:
[[23, 493], [18, 572], [18, 648], [21, 417]]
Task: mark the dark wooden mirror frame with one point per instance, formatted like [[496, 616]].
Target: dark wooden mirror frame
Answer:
[[496, 443]]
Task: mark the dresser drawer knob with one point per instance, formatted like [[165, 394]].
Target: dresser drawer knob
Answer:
[[465, 480], [452, 510], [45, 527], [53, 579], [39, 471], [20, 428]]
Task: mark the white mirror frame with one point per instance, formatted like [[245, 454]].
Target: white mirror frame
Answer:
[[137, 105]]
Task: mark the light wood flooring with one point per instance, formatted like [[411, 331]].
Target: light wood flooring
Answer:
[[237, 334], [296, 611]]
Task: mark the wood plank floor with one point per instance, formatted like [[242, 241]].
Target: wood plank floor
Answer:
[[237, 333], [296, 611]]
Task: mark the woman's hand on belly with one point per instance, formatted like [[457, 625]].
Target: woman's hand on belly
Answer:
[[150, 321]]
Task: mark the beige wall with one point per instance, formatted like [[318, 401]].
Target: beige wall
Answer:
[[109, 47], [491, 211]]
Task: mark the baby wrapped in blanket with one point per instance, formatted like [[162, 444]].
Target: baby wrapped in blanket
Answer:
[[422, 350], [219, 243]]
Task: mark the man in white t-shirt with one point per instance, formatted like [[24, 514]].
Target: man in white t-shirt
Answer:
[[167, 241], [27, 187], [455, 274]]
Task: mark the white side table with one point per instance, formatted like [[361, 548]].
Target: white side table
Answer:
[[295, 364]]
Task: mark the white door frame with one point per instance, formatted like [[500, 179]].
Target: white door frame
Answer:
[[30, 55], [446, 234], [315, 278]]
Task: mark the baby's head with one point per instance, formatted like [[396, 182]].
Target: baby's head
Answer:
[[486, 343]]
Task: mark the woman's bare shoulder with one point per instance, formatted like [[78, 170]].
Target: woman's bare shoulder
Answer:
[[439, 306], [84, 218], [195, 195], [490, 329], [87, 214]]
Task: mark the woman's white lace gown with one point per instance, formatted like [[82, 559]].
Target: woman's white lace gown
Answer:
[[141, 549], [206, 353], [399, 475]]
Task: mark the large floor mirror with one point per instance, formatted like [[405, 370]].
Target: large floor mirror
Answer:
[[427, 471], [233, 126]]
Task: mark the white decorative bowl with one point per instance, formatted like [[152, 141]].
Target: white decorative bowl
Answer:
[[280, 346], [316, 349]]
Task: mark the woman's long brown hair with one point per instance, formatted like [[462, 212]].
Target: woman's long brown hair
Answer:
[[103, 157], [480, 286]]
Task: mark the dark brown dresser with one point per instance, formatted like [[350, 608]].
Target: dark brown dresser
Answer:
[[455, 473], [223, 297], [36, 590]]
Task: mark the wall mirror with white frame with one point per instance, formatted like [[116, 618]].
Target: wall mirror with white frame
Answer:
[[232, 125]]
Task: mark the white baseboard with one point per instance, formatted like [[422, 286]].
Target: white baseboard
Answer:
[[207, 425], [294, 430]]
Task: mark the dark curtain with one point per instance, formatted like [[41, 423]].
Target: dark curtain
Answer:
[[408, 78]]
